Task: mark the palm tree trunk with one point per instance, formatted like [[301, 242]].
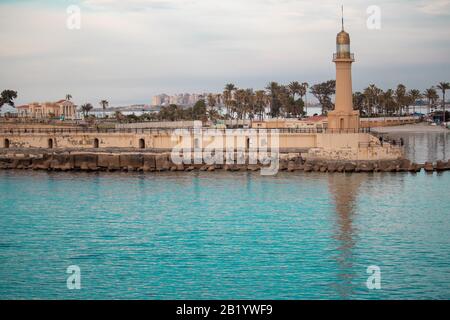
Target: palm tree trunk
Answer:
[[443, 105]]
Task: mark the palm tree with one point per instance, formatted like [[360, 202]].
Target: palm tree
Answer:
[[86, 108], [414, 95], [104, 104], [400, 97], [388, 101], [228, 96], [372, 94], [273, 89], [432, 96], [294, 88], [443, 86], [260, 103], [68, 97], [303, 92]]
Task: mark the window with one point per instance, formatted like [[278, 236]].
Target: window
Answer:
[[50, 143], [96, 143], [141, 144], [6, 143]]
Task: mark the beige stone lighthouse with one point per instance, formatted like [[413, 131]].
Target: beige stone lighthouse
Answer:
[[343, 118]]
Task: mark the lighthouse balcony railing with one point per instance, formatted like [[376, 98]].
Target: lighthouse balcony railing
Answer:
[[343, 55]]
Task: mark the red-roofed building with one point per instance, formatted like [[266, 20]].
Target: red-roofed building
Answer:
[[59, 109]]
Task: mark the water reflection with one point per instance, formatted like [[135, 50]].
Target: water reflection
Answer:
[[425, 146], [344, 188]]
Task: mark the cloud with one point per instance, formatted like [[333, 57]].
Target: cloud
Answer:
[[126, 51], [435, 7], [134, 5]]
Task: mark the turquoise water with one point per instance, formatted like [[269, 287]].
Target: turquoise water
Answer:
[[224, 235]]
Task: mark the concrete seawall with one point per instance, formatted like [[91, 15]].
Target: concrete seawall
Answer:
[[158, 162]]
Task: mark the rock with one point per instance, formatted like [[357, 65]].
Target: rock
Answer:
[[190, 168], [211, 168], [83, 159], [203, 168], [162, 162], [291, 166], [349, 167], [253, 167], [440, 165], [62, 162], [404, 165], [332, 166], [283, 164], [149, 163], [42, 163], [429, 167], [21, 163], [365, 166], [133, 162], [387, 166], [414, 167], [308, 167], [110, 162]]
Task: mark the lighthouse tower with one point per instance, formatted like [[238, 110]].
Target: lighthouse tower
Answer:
[[343, 118]]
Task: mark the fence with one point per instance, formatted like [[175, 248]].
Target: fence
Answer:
[[168, 130]]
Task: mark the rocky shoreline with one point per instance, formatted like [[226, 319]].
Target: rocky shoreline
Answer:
[[159, 162]]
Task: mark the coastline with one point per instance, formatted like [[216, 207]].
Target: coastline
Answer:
[[159, 162]]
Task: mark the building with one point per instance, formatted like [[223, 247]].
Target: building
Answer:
[[343, 117], [59, 109]]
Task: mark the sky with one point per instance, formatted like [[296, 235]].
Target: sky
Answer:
[[128, 51]]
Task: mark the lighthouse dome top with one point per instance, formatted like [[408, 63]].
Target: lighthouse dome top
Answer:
[[343, 38]]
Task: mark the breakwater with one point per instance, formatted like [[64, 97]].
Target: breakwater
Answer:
[[159, 162]]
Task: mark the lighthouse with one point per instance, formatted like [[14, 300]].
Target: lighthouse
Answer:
[[343, 118]]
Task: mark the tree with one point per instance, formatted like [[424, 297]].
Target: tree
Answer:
[[414, 95], [228, 97], [443, 86], [294, 88], [86, 108], [7, 97], [303, 91], [273, 90], [431, 96], [296, 105], [104, 104], [372, 94], [358, 101], [199, 111], [211, 100], [323, 92], [388, 102], [400, 98]]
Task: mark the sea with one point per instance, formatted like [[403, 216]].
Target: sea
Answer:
[[228, 235]]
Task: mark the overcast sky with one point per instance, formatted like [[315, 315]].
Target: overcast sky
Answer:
[[128, 51]]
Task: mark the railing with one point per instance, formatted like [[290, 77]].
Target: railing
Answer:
[[344, 56], [168, 131]]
